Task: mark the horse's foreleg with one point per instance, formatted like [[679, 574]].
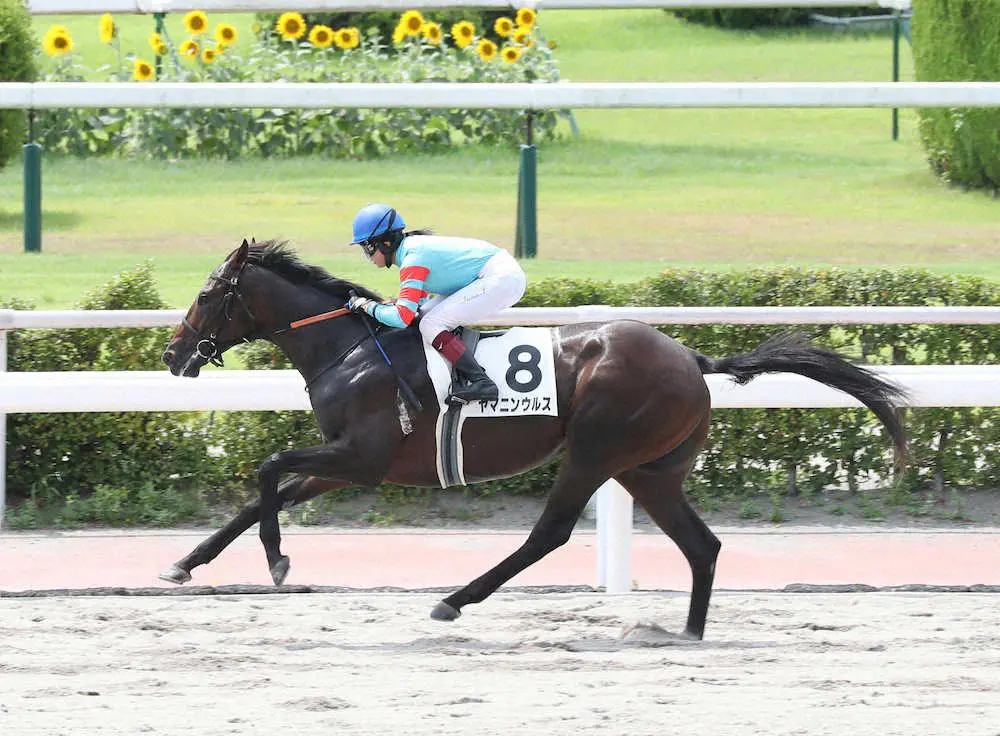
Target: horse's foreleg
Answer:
[[341, 463], [572, 489], [293, 491]]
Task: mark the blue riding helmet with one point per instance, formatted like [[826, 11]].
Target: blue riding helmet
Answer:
[[373, 220]]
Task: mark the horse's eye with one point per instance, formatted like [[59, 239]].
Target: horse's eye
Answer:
[[202, 298]]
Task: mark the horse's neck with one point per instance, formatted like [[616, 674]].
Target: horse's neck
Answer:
[[308, 348]]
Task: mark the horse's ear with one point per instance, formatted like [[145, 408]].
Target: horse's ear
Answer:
[[252, 240], [241, 253]]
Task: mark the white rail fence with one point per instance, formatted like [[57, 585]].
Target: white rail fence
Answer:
[[28, 392], [518, 96], [52, 7]]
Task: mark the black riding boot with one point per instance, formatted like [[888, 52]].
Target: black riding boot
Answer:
[[472, 383]]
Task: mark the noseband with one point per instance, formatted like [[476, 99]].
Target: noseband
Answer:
[[208, 347]]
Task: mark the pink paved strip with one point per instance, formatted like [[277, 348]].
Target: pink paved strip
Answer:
[[414, 559]]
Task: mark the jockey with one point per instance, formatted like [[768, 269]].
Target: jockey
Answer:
[[471, 280]]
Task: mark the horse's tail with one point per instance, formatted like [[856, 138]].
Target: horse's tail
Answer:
[[791, 352]]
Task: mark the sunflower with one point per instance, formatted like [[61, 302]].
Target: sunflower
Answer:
[[486, 49], [225, 34], [398, 33], [463, 32], [57, 41], [522, 35], [208, 55], [291, 26], [432, 33], [504, 26], [510, 54], [321, 37], [155, 41], [108, 30], [190, 49], [525, 17], [161, 50], [412, 21], [347, 38], [196, 22], [143, 71]]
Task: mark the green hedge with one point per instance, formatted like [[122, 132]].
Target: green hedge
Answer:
[[96, 456], [745, 18], [137, 467], [959, 41], [17, 64]]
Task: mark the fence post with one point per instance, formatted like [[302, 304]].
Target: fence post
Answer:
[[32, 190], [526, 235], [614, 538], [3, 434], [897, 22]]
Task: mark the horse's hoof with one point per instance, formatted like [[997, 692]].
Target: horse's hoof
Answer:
[[175, 575], [280, 570], [443, 612]]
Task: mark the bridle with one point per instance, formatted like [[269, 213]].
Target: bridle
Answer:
[[208, 347]]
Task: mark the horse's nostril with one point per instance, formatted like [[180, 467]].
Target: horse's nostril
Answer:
[[168, 356]]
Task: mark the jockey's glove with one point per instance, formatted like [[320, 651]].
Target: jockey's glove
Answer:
[[361, 304]]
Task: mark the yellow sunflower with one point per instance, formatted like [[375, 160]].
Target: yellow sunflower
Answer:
[[321, 37], [143, 71], [108, 30], [510, 54], [412, 21], [347, 38], [208, 55], [196, 22], [504, 26], [291, 26], [398, 33], [155, 41], [525, 17], [486, 49], [225, 34], [190, 49], [463, 32], [432, 33], [522, 35], [57, 41], [161, 50]]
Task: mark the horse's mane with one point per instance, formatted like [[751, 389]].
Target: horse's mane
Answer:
[[278, 257]]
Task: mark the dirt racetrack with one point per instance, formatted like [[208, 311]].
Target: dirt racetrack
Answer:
[[521, 663]]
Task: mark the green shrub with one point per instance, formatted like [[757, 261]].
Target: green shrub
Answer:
[[101, 463], [959, 41], [17, 64], [99, 455], [745, 18], [337, 133]]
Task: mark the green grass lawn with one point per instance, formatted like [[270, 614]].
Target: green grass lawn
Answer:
[[636, 191]]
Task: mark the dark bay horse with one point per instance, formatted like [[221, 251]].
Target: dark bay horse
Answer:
[[633, 406]]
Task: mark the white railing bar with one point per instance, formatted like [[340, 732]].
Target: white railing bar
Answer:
[[516, 96], [552, 316], [236, 390], [51, 7]]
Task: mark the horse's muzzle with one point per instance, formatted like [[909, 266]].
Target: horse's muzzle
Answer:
[[189, 368]]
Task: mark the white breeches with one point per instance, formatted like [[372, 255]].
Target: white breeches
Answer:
[[499, 285]]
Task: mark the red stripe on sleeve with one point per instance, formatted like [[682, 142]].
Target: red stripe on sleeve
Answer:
[[406, 313], [411, 294], [414, 272]]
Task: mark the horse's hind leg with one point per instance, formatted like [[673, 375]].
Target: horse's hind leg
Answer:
[[657, 486], [295, 490], [572, 489]]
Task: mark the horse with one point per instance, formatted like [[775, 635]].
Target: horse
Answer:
[[633, 405]]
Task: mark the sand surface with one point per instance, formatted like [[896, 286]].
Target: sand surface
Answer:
[[520, 663]]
